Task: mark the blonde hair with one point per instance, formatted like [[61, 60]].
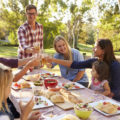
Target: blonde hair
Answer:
[[67, 56], [5, 78]]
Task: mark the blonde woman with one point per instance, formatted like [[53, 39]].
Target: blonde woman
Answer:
[[6, 78], [65, 52]]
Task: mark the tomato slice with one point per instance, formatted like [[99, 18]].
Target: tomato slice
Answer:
[[77, 87], [104, 103], [118, 107], [63, 84], [15, 84], [46, 104]]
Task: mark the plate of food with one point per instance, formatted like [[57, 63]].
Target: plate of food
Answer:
[[106, 107], [71, 85], [21, 84], [34, 77], [42, 102], [49, 75], [64, 117]]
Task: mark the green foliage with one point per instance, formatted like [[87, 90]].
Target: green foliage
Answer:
[[109, 25], [13, 38]]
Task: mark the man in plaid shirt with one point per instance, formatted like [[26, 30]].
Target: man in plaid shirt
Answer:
[[29, 33]]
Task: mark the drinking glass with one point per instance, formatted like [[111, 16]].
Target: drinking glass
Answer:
[[25, 95], [36, 45]]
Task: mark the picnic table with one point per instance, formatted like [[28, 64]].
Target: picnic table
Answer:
[[55, 111]]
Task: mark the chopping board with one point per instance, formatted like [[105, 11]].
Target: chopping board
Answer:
[[67, 105]]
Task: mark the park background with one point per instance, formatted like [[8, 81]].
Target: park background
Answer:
[[81, 22]]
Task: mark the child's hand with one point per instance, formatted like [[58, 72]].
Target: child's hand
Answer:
[[97, 92], [26, 109], [33, 62], [34, 115]]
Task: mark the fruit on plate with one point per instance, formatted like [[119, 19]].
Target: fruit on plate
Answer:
[[107, 107], [38, 83], [40, 101]]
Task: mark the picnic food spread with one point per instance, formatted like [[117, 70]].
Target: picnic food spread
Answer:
[[61, 96], [69, 96], [107, 107]]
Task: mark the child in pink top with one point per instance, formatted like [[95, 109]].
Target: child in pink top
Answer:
[[100, 75]]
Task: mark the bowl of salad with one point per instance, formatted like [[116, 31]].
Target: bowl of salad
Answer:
[[50, 83], [83, 110]]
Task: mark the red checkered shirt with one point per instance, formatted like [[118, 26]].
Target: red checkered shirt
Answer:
[[27, 36]]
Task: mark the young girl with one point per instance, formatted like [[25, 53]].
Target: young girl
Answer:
[[100, 75], [6, 78]]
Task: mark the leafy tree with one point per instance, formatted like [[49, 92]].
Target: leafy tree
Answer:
[[109, 24], [79, 15]]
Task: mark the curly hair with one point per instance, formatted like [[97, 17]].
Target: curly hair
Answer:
[[102, 70]]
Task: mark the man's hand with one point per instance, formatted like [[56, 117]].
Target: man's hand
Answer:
[[31, 50]]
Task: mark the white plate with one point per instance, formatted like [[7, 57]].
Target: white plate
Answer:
[[59, 117], [77, 84], [101, 101], [42, 105], [25, 77], [21, 81]]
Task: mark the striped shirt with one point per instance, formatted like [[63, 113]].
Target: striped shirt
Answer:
[[27, 36]]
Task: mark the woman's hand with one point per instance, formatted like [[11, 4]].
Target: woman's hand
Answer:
[[33, 62], [26, 109], [34, 115]]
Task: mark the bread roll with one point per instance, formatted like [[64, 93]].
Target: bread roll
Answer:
[[25, 85], [70, 117], [57, 99], [69, 96], [48, 94], [74, 99], [109, 108]]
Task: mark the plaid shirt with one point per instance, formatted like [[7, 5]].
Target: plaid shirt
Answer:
[[27, 36]]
